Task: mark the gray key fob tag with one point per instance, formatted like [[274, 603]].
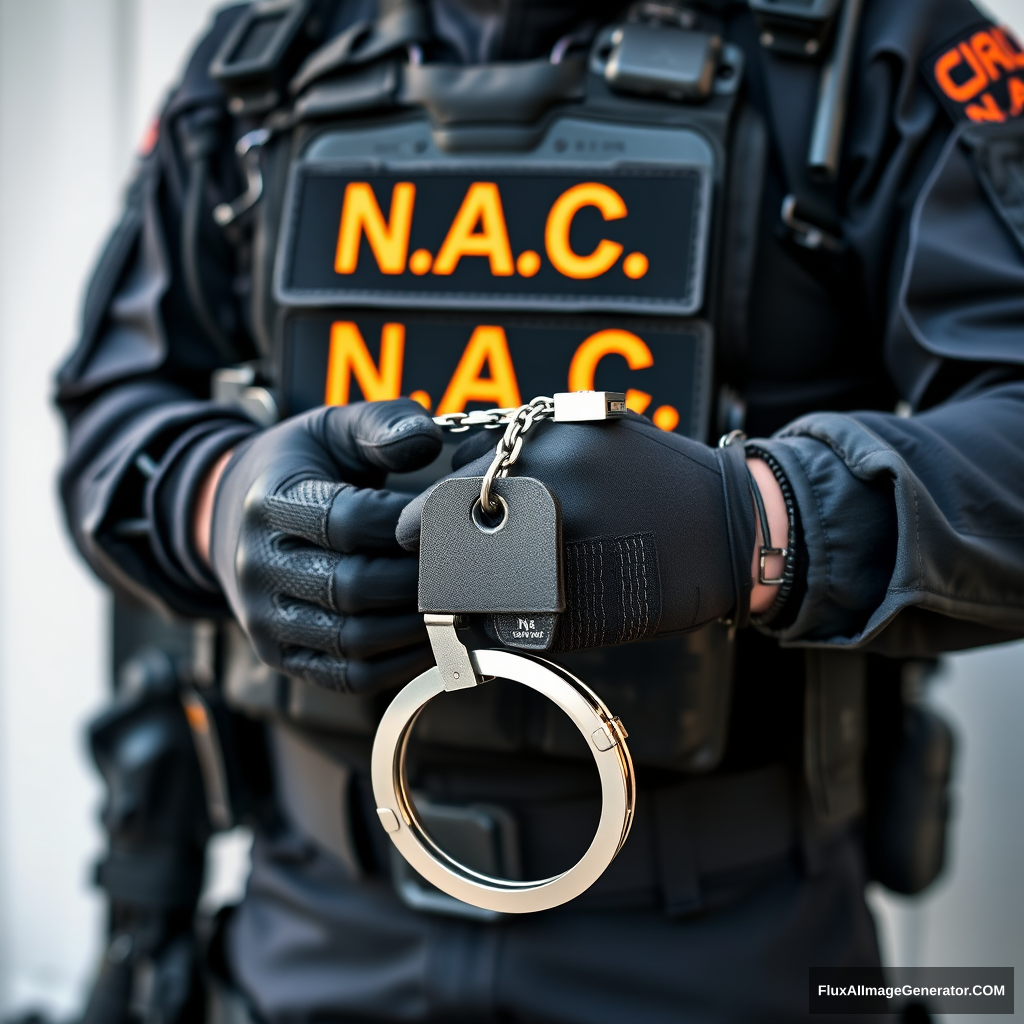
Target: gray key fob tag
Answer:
[[508, 567]]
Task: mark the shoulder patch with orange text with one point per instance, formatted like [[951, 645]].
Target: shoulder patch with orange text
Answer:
[[979, 76]]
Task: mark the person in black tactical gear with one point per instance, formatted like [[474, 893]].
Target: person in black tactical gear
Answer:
[[773, 221]]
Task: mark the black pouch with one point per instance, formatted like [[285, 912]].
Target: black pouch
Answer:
[[906, 825], [674, 694]]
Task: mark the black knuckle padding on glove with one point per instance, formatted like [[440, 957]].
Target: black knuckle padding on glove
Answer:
[[658, 529], [363, 583], [357, 637], [339, 516], [353, 676], [303, 543]]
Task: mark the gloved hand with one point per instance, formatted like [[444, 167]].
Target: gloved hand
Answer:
[[658, 529], [303, 544]]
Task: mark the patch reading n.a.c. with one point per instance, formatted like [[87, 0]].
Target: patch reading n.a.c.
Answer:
[[632, 239], [979, 75], [458, 362]]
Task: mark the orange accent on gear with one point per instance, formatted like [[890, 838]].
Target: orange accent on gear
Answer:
[[528, 263], [666, 417], [635, 265], [420, 262]]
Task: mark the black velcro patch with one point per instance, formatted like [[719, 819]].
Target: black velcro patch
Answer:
[[612, 591], [979, 75], [999, 162]]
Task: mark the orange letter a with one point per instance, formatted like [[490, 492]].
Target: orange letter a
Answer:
[[986, 110], [487, 345], [482, 205], [349, 356]]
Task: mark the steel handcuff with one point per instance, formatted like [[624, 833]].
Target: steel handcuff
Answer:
[[459, 667]]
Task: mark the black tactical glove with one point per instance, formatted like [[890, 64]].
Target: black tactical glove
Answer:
[[303, 544], [658, 529]]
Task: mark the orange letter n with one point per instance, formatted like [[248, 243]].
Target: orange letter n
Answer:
[[389, 239], [350, 357]]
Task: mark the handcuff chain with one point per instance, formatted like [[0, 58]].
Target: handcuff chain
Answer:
[[511, 445], [516, 421], [460, 422]]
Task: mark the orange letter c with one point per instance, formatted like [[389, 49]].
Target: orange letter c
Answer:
[[969, 89], [556, 231], [606, 343]]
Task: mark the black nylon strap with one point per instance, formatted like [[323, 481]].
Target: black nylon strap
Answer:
[[791, 88], [688, 841], [735, 489], [362, 43], [164, 877], [780, 613], [674, 847], [694, 840]]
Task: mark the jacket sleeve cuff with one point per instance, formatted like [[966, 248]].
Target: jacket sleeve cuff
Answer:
[[126, 496], [842, 480], [171, 498]]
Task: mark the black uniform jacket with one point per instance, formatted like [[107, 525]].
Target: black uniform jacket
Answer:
[[913, 524]]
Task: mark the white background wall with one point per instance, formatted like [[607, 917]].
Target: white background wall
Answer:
[[79, 80]]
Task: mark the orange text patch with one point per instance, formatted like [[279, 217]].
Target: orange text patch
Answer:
[[456, 363], [980, 76]]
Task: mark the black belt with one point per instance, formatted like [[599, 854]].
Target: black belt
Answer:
[[698, 841], [692, 844]]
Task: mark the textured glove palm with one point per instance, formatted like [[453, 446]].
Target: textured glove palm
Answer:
[[303, 544], [658, 529]]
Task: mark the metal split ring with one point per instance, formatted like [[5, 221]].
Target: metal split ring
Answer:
[[605, 737]]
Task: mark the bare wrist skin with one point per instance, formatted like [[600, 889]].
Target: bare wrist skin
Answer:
[[202, 517], [778, 523]]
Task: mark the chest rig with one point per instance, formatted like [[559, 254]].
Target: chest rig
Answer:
[[471, 236]]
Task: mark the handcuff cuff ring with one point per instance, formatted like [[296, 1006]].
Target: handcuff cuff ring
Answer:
[[605, 737]]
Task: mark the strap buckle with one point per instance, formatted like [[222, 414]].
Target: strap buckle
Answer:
[[762, 558], [247, 150], [804, 232], [766, 550]]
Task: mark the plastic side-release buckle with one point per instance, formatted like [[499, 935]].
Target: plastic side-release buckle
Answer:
[[804, 232], [798, 28], [660, 60], [264, 48], [238, 386]]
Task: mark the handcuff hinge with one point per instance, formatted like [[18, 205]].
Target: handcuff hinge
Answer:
[[450, 653], [611, 733]]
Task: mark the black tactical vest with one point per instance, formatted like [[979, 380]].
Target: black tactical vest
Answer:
[[474, 236]]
